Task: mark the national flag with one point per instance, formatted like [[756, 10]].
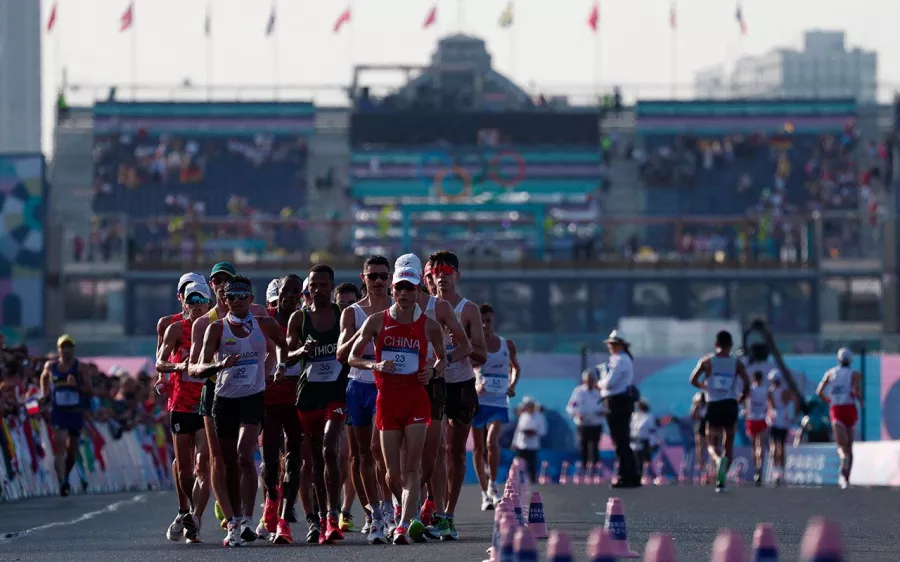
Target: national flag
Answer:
[[270, 27], [342, 19], [32, 407], [431, 18], [506, 18], [594, 17], [673, 16], [207, 23], [52, 20], [739, 16], [127, 18]]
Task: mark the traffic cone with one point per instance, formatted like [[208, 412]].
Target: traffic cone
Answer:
[[729, 547], [544, 476], [536, 521], [517, 509], [602, 547], [579, 470], [559, 547], [618, 530], [765, 547], [660, 548], [822, 542], [503, 508], [524, 547], [564, 472], [507, 538], [524, 481]]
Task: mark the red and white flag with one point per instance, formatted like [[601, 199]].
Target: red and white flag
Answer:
[[342, 19], [594, 17], [432, 17], [52, 20], [127, 18]]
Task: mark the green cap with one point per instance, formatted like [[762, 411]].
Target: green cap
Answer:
[[223, 267]]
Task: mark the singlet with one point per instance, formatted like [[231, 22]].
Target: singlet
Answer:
[[284, 391], [65, 398], [840, 385], [757, 403], [720, 384], [494, 375], [461, 369], [213, 315], [406, 346], [185, 390], [782, 413], [643, 426], [323, 380], [361, 375], [248, 377]]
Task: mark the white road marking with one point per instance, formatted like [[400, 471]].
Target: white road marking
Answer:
[[6, 537]]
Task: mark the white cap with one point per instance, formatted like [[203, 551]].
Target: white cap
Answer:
[[411, 261], [199, 288], [775, 375], [272, 290], [305, 284], [844, 355], [408, 275], [190, 277]]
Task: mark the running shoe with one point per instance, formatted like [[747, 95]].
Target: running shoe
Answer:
[[270, 515], [283, 533], [843, 482], [346, 522], [376, 533], [191, 528], [487, 502], [757, 479], [416, 531], [333, 530], [368, 526], [451, 535], [427, 511], [247, 532], [312, 535], [494, 493], [722, 472], [439, 528], [176, 529], [261, 532], [401, 535], [218, 511], [65, 488], [233, 535]]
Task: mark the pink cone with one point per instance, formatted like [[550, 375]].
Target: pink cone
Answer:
[[729, 547]]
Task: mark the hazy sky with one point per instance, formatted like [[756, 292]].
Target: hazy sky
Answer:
[[550, 44]]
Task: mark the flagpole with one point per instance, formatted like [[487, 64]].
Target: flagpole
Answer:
[[350, 58], [209, 51]]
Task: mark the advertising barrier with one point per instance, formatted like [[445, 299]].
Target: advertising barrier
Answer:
[[876, 463], [108, 461]]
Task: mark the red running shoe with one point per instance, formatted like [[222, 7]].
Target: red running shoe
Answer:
[[283, 534], [333, 531], [428, 509], [270, 515]]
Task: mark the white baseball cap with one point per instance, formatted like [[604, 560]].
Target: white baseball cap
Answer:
[[411, 261], [305, 285], [844, 355], [190, 277], [407, 274], [775, 375], [272, 290], [201, 289]]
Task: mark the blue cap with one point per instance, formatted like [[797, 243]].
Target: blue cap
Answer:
[[223, 267]]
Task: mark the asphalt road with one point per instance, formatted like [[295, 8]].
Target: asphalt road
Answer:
[[131, 527]]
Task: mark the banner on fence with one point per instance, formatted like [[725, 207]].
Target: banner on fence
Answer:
[[876, 463]]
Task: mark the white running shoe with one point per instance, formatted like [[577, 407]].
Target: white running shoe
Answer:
[[191, 529], [494, 493], [176, 529], [367, 527], [262, 533], [233, 535], [844, 483], [248, 534], [376, 535], [487, 502]]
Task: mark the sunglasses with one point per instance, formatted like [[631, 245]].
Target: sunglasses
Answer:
[[404, 286], [373, 276], [231, 297], [443, 269], [196, 299]]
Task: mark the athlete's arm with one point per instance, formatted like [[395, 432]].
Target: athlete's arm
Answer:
[[472, 317], [742, 372], [349, 335], [695, 408], [367, 333], [435, 336], [206, 367], [259, 311], [514, 370], [820, 390], [161, 327], [296, 350], [45, 381], [198, 329], [169, 344], [444, 314], [700, 370], [857, 387]]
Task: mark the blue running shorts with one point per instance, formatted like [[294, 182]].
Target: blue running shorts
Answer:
[[361, 403], [486, 415], [72, 422]]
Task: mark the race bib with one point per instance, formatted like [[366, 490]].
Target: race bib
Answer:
[[721, 382], [67, 397], [294, 371], [324, 370], [838, 390], [405, 363], [242, 374], [495, 384]]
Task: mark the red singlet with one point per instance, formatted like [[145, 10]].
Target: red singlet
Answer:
[[402, 399], [284, 391], [184, 395]]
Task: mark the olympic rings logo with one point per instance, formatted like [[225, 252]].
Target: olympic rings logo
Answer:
[[488, 167], [459, 172]]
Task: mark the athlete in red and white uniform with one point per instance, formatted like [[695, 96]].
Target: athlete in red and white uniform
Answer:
[[403, 407], [176, 529], [842, 388], [782, 414], [757, 407], [184, 407]]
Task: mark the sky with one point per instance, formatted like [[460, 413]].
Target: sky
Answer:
[[550, 47]]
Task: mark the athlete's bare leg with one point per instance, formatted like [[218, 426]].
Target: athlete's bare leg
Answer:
[[218, 477], [479, 460], [201, 490], [457, 435], [434, 473], [246, 449]]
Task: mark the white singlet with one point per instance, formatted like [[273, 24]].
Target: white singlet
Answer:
[[362, 375], [249, 375], [757, 403], [782, 413], [721, 382], [494, 375], [840, 385], [461, 369]]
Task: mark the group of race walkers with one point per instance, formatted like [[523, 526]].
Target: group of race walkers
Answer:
[[411, 369]]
